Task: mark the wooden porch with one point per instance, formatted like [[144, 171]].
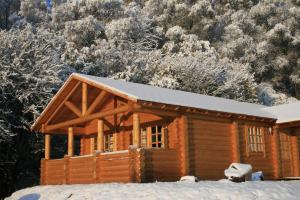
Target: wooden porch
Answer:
[[133, 165]]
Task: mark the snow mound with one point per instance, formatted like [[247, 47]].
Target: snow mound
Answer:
[[263, 190], [189, 178], [238, 170]]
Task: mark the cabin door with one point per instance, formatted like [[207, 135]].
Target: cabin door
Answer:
[[286, 155]]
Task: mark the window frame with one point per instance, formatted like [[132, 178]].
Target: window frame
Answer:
[[285, 146], [255, 140], [160, 136]]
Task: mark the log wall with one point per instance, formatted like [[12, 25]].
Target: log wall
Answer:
[[161, 165], [210, 148]]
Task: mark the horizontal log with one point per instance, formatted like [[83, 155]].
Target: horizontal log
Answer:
[[114, 168], [86, 118], [81, 176]]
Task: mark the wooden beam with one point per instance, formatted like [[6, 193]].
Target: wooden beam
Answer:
[[100, 99], [73, 108], [47, 146], [87, 118], [136, 130], [100, 136], [63, 102], [84, 98], [63, 131], [70, 142]]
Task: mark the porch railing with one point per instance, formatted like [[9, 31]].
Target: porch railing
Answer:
[[134, 165]]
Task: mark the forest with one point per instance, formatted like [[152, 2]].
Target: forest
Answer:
[[247, 50]]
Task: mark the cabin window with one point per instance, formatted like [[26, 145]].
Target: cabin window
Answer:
[[255, 140], [158, 135], [153, 136], [285, 146], [108, 142]]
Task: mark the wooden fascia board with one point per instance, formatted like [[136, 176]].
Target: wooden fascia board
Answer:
[[289, 124], [197, 111]]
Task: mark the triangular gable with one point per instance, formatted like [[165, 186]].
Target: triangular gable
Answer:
[[66, 104]]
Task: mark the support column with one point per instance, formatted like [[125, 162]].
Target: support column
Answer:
[[184, 146], [100, 136], [47, 146], [136, 130], [276, 153], [235, 142], [70, 142], [295, 155], [84, 98]]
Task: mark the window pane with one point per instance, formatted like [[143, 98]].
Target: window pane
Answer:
[[153, 129], [154, 138], [159, 138], [158, 129]]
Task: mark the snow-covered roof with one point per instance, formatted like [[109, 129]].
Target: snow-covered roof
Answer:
[[286, 112], [179, 98]]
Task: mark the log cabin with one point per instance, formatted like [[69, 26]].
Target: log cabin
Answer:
[[131, 132]]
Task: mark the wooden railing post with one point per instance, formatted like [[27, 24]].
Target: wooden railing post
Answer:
[[70, 141], [67, 170], [100, 136], [136, 130], [137, 165], [43, 172]]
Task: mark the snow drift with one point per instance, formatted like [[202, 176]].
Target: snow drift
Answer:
[[223, 189]]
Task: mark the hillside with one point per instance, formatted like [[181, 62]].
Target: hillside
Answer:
[[208, 190], [248, 50]]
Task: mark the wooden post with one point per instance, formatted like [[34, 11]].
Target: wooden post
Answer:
[[235, 142], [184, 146], [43, 172], [136, 130], [84, 98], [92, 144], [100, 136], [295, 155], [149, 137], [47, 146], [276, 153], [70, 142], [115, 147]]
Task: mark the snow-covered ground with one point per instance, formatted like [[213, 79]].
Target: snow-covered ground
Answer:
[[177, 190]]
